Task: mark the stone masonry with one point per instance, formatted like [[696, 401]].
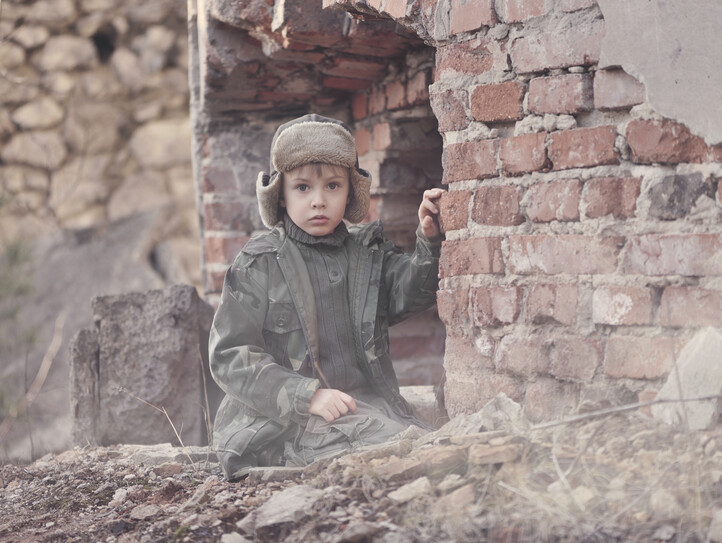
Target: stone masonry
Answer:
[[583, 232]]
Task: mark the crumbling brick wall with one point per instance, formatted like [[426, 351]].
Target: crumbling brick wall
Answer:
[[583, 227]]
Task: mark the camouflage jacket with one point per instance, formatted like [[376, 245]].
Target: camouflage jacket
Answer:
[[265, 326]]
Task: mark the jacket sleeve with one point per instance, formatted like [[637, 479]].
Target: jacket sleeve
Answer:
[[411, 280], [238, 358]]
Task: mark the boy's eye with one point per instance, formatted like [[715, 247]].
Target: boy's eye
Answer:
[[333, 185], [302, 188]]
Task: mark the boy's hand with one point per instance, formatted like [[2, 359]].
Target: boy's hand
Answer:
[[429, 213], [330, 404]]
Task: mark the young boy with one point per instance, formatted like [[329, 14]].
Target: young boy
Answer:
[[299, 343]]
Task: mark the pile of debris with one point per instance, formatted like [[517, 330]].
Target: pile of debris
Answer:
[[489, 476]]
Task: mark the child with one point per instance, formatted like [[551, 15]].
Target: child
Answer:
[[299, 343]]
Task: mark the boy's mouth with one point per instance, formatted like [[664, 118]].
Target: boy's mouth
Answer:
[[316, 219]]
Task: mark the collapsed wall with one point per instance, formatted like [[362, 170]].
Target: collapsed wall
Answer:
[[583, 228]]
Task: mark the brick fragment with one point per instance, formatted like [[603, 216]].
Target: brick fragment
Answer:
[[554, 254], [360, 106], [343, 83], [616, 89], [640, 357], [665, 142], [553, 200], [417, 88], [674, 254], [355, 68], [561, 94], [223, 250], [481, 454], [497, 205], [467, 57], [575, 358], [396, 95], [548, 399], [518, 11], [498, 101], [690, 307], [454, 210], [495, 306], [470, 160], [579, 45], [611, 196], [468, 15], [363, 141], [552, 304], [450, 109], [377, 101], [453, 308], [471, 256], [523, 154], [674, 196], [582, 147], [618, 305], [382, 136], [523, 356]]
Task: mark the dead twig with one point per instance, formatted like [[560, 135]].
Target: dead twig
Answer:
[[42, 374]]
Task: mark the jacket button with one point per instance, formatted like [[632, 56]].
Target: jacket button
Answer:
[[281, 321]]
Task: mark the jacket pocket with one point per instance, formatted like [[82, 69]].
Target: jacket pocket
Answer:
[[281, 318], [283, 334]]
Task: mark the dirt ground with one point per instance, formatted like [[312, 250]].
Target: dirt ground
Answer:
[[620, 477]]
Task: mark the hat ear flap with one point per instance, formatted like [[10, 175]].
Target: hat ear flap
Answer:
[[268, 189]]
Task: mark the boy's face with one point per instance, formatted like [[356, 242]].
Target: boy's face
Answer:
[[315, 197]]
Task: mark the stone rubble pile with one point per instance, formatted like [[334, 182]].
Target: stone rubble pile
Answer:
[[489, 476], [94, 121]]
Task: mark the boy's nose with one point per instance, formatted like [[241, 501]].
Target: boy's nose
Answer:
[[318, 202]]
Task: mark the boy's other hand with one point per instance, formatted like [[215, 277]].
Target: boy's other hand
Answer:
[[429, 213], [330, 404]]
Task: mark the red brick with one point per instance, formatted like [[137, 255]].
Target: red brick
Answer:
[[616, 89], [575, 358], [454, 210], [554, 254], [382, 136], [450, 109], [453, 308], [471, 256], [498, 101], [495, 306], [617, 305], [218, 177], [377, 101], [611, 196], [498, 206], [640, 357], [469, 391], [523, 154], [345, 83], [223, 250], [468, 15], [466, 57], [568, 94], [552, 304], [228, 216], [582, 147], [214, 281], [360, 106], [470, 160], [354, 68], [523, 356], [363, 141], [417, 88], [549, 399], [665, 142], [690, 306], [518, 11], [575, 46], [715, 153], [395, 95], [395, 8], [463, 358], [554, 200], [674, 254]]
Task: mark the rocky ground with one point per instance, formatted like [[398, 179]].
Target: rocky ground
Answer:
[[489, 476]]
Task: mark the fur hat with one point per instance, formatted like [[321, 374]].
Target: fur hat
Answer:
[[306, 140]]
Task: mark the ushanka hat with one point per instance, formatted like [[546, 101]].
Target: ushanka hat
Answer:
[[308, 140]]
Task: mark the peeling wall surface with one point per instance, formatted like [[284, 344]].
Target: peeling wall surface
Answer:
[[674, 48]]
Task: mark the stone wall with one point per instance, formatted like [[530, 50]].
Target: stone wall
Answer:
[[583, 216], [94, 122]]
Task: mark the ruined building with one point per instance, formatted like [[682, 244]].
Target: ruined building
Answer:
[[579, 141]]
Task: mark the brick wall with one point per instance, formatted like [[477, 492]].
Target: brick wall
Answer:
[[583, 229]]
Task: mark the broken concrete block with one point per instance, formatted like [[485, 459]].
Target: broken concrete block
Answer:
[[700, 374], [481, 454], [286, 507], [440, 461], [410, 491]]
